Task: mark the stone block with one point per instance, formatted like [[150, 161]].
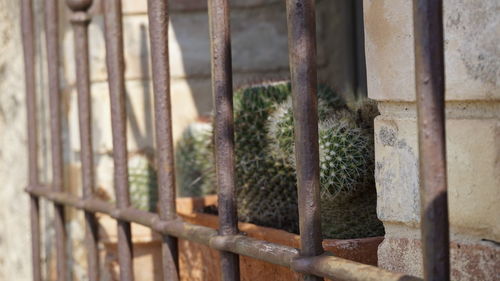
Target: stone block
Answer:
[[389, 50], [396, 170], [473, 150], [472, 52], [474, 176], [470, 260], [472, 60]]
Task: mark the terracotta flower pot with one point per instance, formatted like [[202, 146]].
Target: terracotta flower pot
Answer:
[[198, 262]]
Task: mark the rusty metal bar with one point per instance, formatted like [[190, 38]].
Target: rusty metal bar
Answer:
[[116, 81], [302, 52], [28, 37], [35, 238], [91, 204], [222, 90], [52, 44], [340, 269], [80, 20], [430, 86], [158, 27], [323, 265]]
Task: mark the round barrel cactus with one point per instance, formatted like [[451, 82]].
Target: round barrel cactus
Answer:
[[346, 165]]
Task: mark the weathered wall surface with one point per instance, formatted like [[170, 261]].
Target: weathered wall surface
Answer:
[[260, 53], [472, 55], [14, 229]]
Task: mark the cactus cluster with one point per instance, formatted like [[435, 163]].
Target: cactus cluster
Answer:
[[265, 162]]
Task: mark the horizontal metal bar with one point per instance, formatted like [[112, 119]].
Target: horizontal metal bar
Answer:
[[341, 269], [325, 266]]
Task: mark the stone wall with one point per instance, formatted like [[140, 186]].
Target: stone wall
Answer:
[[472, 59]]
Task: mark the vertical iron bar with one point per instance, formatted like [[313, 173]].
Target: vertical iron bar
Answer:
[[222, 89], [52, 40], [116, 80], [302, 52], [429, 73], [80, 21], [158, 26], [28, 37]]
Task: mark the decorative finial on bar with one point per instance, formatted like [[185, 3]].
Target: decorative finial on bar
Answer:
[[79, 8], [79, 5]]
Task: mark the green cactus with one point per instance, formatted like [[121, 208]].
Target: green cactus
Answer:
[[265, 164], [142, 183], [351, 217], [266, 190], [345, 157], [346, 168], [195, 172]]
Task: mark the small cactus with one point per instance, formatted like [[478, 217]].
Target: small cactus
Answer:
[[195, 172], [142, 183], [345, 157]]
